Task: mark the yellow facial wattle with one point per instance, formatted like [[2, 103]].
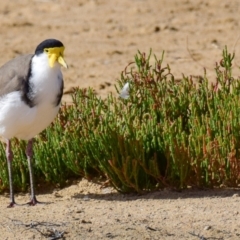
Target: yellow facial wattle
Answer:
[[56, 55]]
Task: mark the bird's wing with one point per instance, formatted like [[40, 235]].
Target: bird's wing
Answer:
[[14, 74]]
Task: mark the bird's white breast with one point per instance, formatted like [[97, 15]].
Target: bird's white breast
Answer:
[[17, 119]]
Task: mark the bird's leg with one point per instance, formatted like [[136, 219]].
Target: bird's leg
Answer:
[[9, 155], [29, 153]]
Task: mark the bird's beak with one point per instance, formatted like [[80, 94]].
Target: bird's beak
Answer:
[[56, 55], [62, 61]]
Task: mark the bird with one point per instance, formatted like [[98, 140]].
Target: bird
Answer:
[[31, 89]]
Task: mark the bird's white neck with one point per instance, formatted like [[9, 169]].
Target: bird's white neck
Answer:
[[45, 82]]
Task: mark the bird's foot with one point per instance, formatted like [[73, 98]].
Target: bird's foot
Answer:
[[12, 204], [33, 202]]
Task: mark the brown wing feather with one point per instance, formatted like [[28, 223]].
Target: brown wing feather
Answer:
[[14, 74]]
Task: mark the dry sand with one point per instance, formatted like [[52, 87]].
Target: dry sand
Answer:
[[101, 37]]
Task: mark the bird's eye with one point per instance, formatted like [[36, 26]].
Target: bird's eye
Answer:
[[46, 50]]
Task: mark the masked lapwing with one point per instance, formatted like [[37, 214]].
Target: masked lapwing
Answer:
[[31, 88]]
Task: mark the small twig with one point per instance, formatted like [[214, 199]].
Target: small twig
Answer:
[[203, 238], [197, 235], [56, 234], [150, 228], [52, 234], [43, 234]]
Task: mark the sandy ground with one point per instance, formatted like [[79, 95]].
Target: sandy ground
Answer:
[[86, 211], [101, 37]]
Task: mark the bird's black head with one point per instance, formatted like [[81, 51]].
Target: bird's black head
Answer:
[[48, 43]]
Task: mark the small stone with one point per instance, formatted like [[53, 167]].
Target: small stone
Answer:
[[101, 86], [106, 190], [57, 195], [235, 195], [84, 221], [157, 29], [207, 228], [86, 198]]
